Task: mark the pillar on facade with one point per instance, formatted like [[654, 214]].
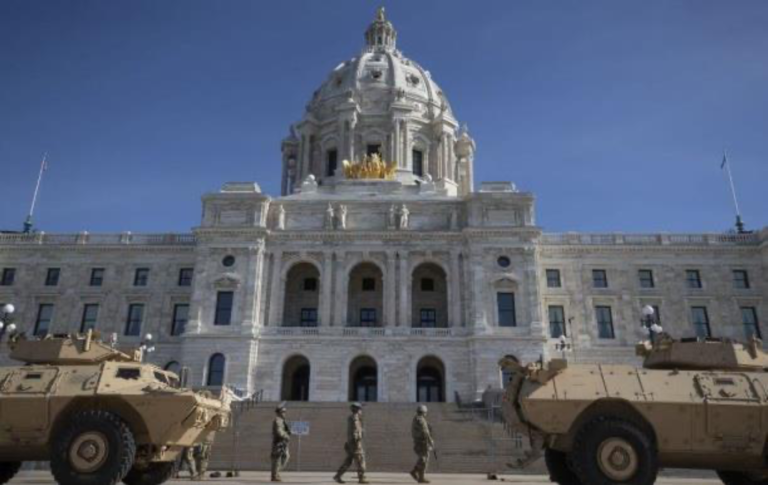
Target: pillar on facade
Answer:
[[454, 295], [390, 291], [403, 283], [326, 289], [276, 300]]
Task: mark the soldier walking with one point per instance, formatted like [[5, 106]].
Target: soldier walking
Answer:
[[188, 461], [422, 443], [281, 438], [354, 445]]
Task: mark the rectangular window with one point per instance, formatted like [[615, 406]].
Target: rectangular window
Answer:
[[693, 278], [224, 301], [308, 317], [332, 162], [135, 319], [90, 315], [9, 275], [310, 284], [557, 321], [44, 319], [428, 318], [418, 162], [740, 279], [553, 278], [97, 277], [52, 277], [506, 307], [700, 319], [371, 149], [141, 277], [369, 284], [646, 278], [427, 284], [751, 325], [180, 318], [599, 278], [604, 317], [185, 276], [367, 317]]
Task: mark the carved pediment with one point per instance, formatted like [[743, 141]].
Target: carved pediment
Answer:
[[228, 281]]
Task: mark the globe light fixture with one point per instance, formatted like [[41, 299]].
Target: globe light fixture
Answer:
[[649, 321]]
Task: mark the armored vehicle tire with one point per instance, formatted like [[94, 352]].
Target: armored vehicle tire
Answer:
[[739, 478], [93, 448], [559, 471], [610, 450], [151, 474], [8, 470]]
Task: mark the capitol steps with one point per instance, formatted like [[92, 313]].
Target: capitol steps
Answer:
[[466, 442]]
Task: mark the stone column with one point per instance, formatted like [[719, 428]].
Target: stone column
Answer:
[[276, 304], [405, 311], [406, 162], [342, 290], [326, 294], [396, 141], [479, 285], [390, 290], [454, 295], [252, 288]]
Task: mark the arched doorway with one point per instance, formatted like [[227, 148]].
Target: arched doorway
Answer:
[[365, 296], [430, 380], [429, 297], [363, 380], [296, 379], [302, 296]]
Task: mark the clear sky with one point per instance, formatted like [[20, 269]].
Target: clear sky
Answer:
[[614, 113]]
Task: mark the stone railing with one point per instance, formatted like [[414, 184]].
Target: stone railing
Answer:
[[364, 331], [85, 238], [586, 239]]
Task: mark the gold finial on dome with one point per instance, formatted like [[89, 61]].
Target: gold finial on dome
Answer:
[[380, 14]]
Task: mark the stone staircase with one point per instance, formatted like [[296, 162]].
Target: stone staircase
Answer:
[[467, 442]]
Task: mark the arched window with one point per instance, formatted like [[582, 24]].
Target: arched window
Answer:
[[296, 373], [216, 370], [302, 296], [363, 380], [365, 297], [430, 380], [173, 366], [429, 297]]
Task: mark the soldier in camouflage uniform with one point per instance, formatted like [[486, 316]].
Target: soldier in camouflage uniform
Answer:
[[281, 438], [203, 456], [188, 461], [354, 445], [422, 443]]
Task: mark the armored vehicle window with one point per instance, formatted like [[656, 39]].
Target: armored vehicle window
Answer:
[[52, 277], [505, 305], [646, 278], [9, 275], [161, 377], [604, 316], [97, 277], [223, 314], [185, 276], [44, 318], [599, 278], [553, 278], [751, 325], [740, 279], [90, 313], [180, 318], [557, 321], [331, 162], [700, 319], [141, 277], [308, 317], [417, 156], [33, 376], [128, 373], [135, 319], [693, 278]]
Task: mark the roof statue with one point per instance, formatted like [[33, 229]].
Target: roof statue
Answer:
[[371, 167]]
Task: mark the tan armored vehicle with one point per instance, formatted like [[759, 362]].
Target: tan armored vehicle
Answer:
[[98, 414], [700, 404]]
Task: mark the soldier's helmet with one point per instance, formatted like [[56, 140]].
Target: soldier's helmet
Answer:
[[280, 408], [356, 405], [422, 409]]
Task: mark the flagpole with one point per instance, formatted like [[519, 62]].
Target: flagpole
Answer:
[[28, 222], [739, 222]]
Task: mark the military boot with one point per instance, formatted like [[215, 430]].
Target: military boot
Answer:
[[337, 479], [276, 478], [415, 474], [363, 480], [422, 479]]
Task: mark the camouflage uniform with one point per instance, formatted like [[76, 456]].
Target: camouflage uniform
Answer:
[[188, 461], [281, 438], [202, 457], [354, 446], [422, 444]]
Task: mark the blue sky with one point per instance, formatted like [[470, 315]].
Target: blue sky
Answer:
[[614, 114]]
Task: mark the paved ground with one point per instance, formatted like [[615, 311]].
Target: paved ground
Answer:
[[44, 478]]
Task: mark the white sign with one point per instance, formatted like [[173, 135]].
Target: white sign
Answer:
[[300, 428]]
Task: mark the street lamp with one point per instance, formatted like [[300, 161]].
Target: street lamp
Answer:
[[6, 313], [563, 345], [649, 321], [146, 345]]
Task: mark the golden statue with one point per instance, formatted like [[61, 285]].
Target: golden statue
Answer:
[[372, 167]]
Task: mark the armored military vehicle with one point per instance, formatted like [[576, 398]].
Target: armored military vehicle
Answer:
[[98, 414], [698, 404]]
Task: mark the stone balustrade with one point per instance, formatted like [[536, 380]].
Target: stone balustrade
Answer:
[[610, 239], [85, 238]]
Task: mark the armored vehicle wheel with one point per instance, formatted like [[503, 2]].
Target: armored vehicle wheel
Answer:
[[739, 478], [152, 473], [559, 471], [93, 448], [8, 470], [610, 450]]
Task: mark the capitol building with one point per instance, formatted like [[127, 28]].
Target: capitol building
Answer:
[[383, 271]]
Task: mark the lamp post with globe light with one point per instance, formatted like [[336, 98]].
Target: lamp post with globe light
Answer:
[[649, 321], [146, 346], [6, 326]]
